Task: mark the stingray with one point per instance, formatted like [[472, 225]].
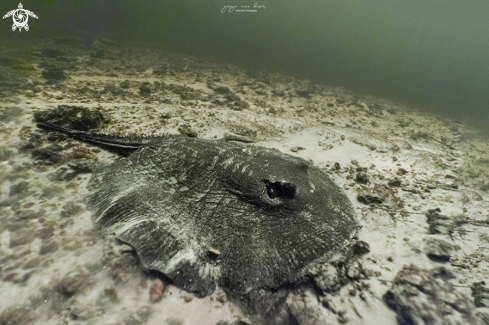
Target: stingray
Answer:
[[210, 213]]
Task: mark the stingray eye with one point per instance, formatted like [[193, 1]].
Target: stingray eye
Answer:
[[280, 189]]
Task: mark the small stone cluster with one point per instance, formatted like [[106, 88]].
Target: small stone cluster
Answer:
[[420, 296]]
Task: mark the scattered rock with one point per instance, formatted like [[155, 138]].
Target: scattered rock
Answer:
[[22, 237], [72, 117], [480, 292], [111, 293], [368, 199], [82, 166], [10, 113], [353, 268], [300, 310], [21, 188], [45, 233], [332, 275], [47, 156], [34, 141], [361, 178], [332, 123], [188, 131], [29, 93], [302, 93], [239, 138], [438, 250], [55, 147], [326, 277], [401, 172], [187, 298], [166, 116], [5, 154], [120, 268], [70, 209], [442, 224], [49, 248], [394, 183], [51, 192], [32, 263], [11, 277], [219, 101], [56, 136], [240, 105], [113, 89], [72, 283], [54, 73], [161, 70], [361, 247], [296, 149], [156, 290], [221, 297], [125, 84], [420, 296], [52, 52], [62, 174], [16, 316], [144, 89], [26, 214], [232, 97], [187, 93], [82, 153], [132, 320], [328, 303], [278, 92], [214, 253], [236, 322], [221, 89], [79, 312], [361, 169]]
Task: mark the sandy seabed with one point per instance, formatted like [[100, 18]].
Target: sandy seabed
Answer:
[[54, 267]]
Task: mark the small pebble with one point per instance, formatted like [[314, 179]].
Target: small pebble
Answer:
[[156, 290], [361, 178], [221, 297], [361, 248]]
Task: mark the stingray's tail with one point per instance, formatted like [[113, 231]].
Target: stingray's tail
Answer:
[[122, 144]]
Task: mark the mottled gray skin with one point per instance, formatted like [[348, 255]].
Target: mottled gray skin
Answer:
[[268, 215]]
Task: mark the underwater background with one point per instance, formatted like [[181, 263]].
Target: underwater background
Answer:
[[427, 54]]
